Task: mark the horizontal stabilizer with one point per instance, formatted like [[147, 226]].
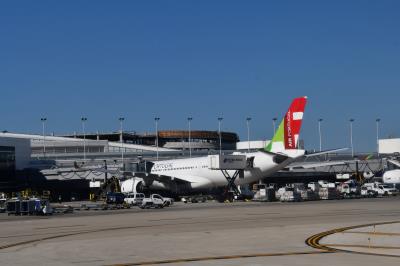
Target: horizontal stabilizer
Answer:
[[325, 152]]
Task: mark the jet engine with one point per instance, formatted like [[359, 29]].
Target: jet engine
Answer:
[[391, 177], [133, 185]]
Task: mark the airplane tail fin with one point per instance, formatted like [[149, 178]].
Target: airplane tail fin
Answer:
[[287, 135]]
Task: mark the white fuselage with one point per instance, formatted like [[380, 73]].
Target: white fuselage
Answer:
[[196, 171]]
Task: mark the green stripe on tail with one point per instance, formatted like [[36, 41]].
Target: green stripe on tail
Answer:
[[278, 137]]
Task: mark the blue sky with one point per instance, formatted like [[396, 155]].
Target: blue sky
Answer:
[[140, 59]]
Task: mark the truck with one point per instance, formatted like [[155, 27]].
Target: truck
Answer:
[[288, 194], [316, 186], [305, 193], [134, 198], [328, 193], [368, 191], [115, 198], [379, 189], [386, 190], [263, 192], [155, 201], [349, 189]]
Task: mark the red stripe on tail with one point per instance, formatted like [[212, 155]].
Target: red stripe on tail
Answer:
[[293, 120]]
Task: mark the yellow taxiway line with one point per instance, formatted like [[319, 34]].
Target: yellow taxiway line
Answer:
[[314, 241]]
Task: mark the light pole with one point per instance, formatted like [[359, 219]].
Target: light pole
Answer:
[[121, 121], [274, 124], [44, 119], [320, 135], [351, 137], [190, 140], [84, 119], [156, 119], [219, 133], [248, 119], [378, 120]]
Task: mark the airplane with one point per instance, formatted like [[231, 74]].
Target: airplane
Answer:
[[392, 176], [195, 174]]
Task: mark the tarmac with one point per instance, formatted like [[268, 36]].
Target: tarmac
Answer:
[[334, 232]]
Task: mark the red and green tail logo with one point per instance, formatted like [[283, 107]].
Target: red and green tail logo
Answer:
[[287, 135]]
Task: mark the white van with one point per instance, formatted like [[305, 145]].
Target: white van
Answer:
[[134, 198]]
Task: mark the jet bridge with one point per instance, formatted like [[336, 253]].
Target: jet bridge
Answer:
[[228, 163]]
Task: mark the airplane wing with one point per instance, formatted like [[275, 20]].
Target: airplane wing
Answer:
[[188, 179], [315, 165], [159, 178], [60, 171], [147, 176], [324, 152], [397, 163]]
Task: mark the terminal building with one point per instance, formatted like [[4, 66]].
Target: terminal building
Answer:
[[15, 155], [25, 158], [171, 139], [108, 145]]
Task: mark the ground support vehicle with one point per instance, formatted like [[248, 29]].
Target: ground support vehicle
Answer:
[[155, 201]]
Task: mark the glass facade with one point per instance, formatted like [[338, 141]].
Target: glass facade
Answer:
[[7, 163]]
